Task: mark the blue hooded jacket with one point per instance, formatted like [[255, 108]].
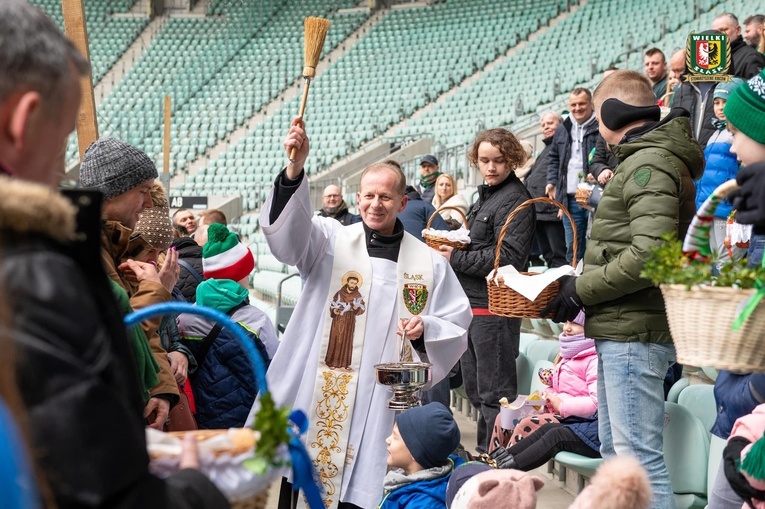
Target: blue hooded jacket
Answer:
[[721, 166], [422, 494]]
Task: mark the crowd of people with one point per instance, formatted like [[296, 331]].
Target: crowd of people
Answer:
[[77, 389]]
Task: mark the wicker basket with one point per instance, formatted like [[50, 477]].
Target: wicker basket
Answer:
[[435, 241], [504, 301], [700, 319], [700, 322], [258, 500]]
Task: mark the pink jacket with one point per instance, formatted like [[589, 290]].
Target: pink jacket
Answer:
[[575, 381], [751, 427]]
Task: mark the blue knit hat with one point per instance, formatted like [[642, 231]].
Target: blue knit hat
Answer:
[[429, 433], [723, 90]]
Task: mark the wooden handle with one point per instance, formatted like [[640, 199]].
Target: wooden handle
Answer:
[[433, 215], [514, 213], [301, 111]]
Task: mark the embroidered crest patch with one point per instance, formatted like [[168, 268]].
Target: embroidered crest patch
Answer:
[[415, 297], [707, 57], [642, 176]]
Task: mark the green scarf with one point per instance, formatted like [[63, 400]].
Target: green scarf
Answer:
[[428, 180], [144, 359]]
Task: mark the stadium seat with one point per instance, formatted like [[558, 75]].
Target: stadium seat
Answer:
[[699, 399], [523, 370], [686, 453], [676, 389], [546, 349], [526, 340]]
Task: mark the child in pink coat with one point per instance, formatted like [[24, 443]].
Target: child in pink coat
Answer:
[[573, 398]]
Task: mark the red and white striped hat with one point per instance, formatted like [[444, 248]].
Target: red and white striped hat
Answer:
[[224, 257]]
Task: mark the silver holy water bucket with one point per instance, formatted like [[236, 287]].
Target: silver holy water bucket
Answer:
[[405, 379]]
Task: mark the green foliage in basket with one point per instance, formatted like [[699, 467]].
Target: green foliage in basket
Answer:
[[668, 264], [272, 424]]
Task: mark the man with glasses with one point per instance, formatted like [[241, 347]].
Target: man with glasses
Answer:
[[335, 207]]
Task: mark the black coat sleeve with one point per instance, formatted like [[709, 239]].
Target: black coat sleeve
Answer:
[[553, 157], [516, 243], [284, 188], [603, 159]]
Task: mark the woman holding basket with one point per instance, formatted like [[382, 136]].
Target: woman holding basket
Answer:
[[488, 365], [447, 196]]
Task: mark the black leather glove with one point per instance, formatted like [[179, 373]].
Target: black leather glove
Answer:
[[502, 458], [749, 199], [567, 303]]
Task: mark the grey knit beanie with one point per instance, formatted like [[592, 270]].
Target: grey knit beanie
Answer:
[[114, 167]]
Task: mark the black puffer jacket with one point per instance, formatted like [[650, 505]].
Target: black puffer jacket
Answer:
[[190, 252], [747, 61], [485, 219], [76, 373], [536, 181]]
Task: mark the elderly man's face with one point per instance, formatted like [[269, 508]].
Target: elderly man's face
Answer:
[[332, 197], [127, 207], [549, 124], [380, 200], [726, 26], [48, 127]]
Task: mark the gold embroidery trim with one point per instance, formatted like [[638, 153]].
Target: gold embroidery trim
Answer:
[[332, 412]]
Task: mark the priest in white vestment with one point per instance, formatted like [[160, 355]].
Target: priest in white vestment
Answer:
[[403, 285]]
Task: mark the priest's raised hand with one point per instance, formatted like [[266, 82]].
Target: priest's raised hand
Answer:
[[297, 139]]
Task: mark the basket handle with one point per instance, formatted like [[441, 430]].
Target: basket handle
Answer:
[[696, 241], [433, 215], [515, 212], [237, 330]]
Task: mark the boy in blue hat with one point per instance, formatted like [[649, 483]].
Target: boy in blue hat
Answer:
[[419, 454]]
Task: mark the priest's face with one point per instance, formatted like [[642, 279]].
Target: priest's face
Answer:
[[380, 199]]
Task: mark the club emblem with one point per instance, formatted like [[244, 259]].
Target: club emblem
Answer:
[[415, 297], [707, 57]]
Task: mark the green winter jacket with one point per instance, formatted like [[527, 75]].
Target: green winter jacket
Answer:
[[650, 194]]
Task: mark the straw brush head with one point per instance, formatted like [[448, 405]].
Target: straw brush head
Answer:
[[315, 33]]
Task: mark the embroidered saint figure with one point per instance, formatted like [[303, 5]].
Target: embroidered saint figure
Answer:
[[346, 305]]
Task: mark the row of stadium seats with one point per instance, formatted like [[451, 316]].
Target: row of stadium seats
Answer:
[[219, 72], [359, 97], [565, 53], [108, 37]]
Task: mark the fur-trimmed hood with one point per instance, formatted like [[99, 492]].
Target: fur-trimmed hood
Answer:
[[30, 208]]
